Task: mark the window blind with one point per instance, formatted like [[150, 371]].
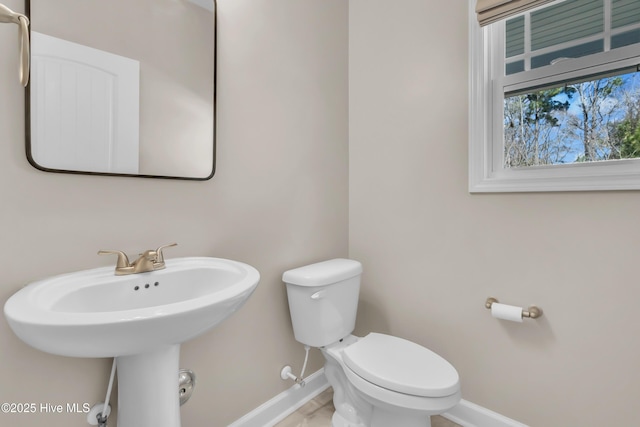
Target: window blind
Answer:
[[494, 10]]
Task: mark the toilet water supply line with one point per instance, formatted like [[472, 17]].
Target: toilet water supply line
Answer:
[[102, 419], [286, 371], [8, 16], [304, 365]]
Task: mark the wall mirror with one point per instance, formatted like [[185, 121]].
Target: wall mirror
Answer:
[[121, 87]]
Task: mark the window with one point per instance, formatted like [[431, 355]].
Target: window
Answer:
[[555, 98]]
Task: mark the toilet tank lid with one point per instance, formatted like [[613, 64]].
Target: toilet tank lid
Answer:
[[323, 273]]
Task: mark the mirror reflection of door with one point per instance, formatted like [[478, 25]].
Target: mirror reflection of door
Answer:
[[85, 105], [113, 75]]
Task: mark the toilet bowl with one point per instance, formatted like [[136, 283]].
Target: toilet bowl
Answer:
[[378, 380]]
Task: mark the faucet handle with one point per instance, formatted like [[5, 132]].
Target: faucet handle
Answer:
[[123, 260], [160, 255]]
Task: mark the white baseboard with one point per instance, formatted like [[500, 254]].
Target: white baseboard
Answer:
[[469, 414], [284, 404], [268, 414]]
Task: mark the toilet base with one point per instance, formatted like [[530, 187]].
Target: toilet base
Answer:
[[382, 418], [339, 421]]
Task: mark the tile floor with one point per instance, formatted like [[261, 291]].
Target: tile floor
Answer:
[[318, 412]]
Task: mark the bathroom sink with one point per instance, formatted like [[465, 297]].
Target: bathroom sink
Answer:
[[139, 319], [94, 313]]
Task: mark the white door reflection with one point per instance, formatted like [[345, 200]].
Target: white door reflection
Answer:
[[85, 107]]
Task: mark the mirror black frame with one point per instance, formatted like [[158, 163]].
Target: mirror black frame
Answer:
[[27, 104]]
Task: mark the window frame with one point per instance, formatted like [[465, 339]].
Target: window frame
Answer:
[[486, 170]]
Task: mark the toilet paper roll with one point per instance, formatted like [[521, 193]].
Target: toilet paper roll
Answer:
[[506, 312]]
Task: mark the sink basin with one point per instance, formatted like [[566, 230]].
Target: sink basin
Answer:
[[93, 313], [140, 319]]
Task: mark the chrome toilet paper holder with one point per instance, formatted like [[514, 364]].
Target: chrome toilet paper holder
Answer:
[[533, 312]]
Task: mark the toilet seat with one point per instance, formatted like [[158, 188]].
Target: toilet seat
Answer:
[[392, 400], [402, 366]]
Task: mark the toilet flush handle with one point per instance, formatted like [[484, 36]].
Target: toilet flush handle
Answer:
[[319, 295]]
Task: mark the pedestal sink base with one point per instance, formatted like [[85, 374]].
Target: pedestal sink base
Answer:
[[148, 394]]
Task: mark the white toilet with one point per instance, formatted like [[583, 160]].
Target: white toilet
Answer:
[[378, 380]]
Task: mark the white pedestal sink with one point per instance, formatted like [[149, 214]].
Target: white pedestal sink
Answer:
[[139, 319]]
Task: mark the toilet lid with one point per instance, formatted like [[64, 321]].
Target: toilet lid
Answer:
[[400, 365]]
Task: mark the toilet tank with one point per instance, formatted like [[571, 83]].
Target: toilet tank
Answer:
[[323, 300]]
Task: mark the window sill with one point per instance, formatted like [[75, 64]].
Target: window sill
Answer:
[[596, 176]]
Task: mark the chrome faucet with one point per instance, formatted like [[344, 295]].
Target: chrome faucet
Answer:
[[149, 260]]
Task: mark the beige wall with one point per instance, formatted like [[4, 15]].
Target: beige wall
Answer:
[[278, 200], [433, 253]]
